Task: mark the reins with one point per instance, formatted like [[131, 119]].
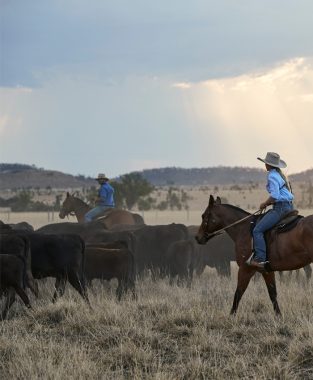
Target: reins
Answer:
[[221, 230], [77, 210]]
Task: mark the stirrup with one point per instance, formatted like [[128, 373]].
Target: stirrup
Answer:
[[250, 258]]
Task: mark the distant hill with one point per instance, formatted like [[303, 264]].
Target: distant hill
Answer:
[[16, 176], [303, 176], [203, 176]]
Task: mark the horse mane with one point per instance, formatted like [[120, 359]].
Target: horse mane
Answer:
[[81, 201], [236, 208]]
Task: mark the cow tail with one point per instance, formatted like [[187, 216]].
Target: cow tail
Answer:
[[27, 260], [131, 262], [83, 277], [24, 277]]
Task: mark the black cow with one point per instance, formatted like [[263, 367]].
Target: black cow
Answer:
[[84, 230], [22, 226], [149, 244], [12, 275], [216, 253], [107, 263], [19, 245], [59, 256], [182, 259]]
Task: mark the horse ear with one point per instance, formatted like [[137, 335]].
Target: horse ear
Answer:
[[211, 200], [218, 200]]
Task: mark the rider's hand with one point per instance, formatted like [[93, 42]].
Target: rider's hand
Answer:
[[263, 205]]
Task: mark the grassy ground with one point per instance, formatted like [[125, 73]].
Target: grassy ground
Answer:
[[169, 333]]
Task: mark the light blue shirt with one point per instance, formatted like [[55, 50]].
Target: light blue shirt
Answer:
[[276, 187], [106, 194]]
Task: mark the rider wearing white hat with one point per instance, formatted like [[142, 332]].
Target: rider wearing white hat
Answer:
[[280, 196]]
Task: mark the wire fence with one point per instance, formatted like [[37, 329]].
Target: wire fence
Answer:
[[153, 217]]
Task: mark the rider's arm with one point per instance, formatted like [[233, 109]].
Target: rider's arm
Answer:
[[268, 202], [273, 189]]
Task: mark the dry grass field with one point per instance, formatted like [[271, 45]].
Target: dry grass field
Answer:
[[169, 332]]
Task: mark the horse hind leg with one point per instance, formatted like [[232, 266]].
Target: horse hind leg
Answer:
[[245, 274], [269, 279]]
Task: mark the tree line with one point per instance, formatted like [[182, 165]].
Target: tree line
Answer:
[[130, 190]]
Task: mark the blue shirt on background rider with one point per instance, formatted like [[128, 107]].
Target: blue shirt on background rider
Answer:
[[104, 201], [106, 195]]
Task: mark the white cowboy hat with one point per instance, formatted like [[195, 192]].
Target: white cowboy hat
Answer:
[[102, 176], [273, 159]]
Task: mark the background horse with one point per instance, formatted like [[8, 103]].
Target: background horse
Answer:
[[75, 206], [285, 251]]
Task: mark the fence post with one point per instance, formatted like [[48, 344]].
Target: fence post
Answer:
[[6, 211]]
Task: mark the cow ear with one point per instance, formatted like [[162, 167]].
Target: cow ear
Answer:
[[218, 200], [211, 200]]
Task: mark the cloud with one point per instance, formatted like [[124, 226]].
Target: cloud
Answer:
[[182, 85], [183, 40], [78, 124], [256, 112]]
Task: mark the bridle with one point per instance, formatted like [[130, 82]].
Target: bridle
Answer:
[[210, 235], [73, 213]]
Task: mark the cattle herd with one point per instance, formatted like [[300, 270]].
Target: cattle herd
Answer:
[[79, 253]]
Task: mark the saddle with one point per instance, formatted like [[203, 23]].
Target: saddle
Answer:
[[285, 224], [104, 214], [288, 222]]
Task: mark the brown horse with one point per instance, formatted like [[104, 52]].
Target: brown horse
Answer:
[[286, 251], [75, 206]]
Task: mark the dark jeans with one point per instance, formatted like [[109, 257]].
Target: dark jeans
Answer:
[[268, 221]]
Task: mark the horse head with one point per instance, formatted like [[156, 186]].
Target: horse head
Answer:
[[211, 222], [68, 206]]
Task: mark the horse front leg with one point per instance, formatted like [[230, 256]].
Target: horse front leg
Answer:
[[269, 279], [245, 274]]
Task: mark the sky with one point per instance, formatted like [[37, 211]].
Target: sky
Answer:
[[116, 86]]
